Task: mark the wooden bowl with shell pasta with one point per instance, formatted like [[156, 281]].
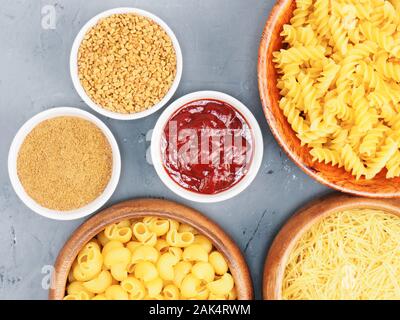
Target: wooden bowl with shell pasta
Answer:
[[140, 208]]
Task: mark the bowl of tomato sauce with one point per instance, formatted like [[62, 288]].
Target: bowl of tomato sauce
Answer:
[[207, 147]]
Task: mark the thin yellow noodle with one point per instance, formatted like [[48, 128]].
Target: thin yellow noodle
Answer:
[[353, 254]]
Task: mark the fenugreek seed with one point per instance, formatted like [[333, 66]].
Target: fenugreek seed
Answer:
[[126, 63]]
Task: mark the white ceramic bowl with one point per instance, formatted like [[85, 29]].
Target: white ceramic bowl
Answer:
[[74, 64], [19, 189], [156, 153]]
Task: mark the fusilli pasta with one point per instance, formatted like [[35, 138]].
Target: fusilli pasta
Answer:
[[339, 77]]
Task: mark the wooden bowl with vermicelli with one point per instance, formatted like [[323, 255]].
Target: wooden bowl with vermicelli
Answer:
[[287, 238], [136, 209], [331, 176]]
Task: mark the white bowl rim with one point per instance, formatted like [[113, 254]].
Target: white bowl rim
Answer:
[[198, 197], [73, 63], [19, 189]]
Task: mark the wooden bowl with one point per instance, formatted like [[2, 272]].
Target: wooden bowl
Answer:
[[331, 176], [301, 222], [135, 209]]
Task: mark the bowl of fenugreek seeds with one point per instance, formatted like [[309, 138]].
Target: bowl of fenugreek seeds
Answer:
[[64, 163], [126, 63]]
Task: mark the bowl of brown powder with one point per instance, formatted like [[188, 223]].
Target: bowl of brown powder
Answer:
[[126, 63], [64, 163]]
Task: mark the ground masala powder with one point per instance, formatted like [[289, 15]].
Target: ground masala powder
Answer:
[[65, 163]]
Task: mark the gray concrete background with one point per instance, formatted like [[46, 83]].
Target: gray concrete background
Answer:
[[219, 40]]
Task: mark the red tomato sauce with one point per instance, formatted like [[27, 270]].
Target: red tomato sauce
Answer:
[[207, 146]]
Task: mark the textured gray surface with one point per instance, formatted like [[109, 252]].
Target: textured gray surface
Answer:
[[219, 40]]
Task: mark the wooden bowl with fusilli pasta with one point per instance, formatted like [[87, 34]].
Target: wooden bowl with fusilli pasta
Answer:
[[348, 57]]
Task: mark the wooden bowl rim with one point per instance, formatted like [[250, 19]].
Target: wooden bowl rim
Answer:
[[263, 81], [300, 222], [139, 208]]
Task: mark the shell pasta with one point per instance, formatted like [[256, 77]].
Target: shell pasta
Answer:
[[339, 78], [152, 258]]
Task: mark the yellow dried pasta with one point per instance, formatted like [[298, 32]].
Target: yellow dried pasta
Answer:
[[151, 258], [352, 254], [339, 78]]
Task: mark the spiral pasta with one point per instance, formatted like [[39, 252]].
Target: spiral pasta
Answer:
[[153, 259], [339, 78]]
